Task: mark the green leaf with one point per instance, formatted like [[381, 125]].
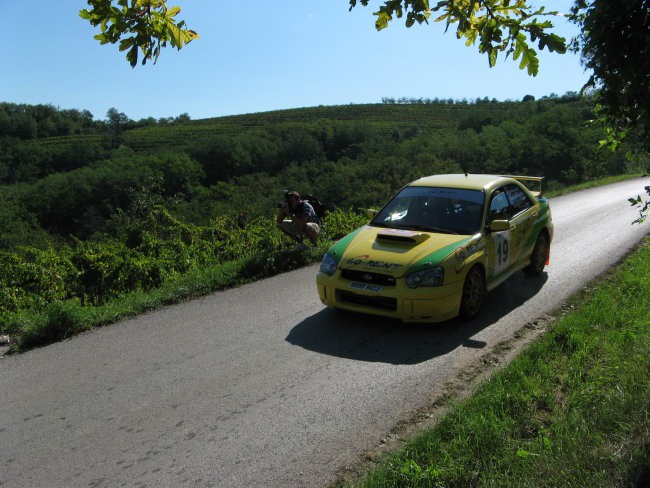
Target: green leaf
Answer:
[[102, 38], [635, 201], [525, 454], [382, 20], [471, 36], [556, 43], [132, 56], [126, 43], [493, 57], [173, 12]]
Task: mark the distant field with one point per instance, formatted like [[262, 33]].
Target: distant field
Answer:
[[382, 117]]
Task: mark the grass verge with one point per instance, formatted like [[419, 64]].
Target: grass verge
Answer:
[[571, 410], [556, 192]]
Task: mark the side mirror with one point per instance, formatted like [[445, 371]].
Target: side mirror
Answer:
[[499, 225], [371, 212]]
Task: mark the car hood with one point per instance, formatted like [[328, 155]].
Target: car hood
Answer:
[[394, 251]]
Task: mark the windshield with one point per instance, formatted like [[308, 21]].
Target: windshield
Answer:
[[432, 209]]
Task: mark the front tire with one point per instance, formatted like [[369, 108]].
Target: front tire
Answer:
[[474, 293], [539, 256]]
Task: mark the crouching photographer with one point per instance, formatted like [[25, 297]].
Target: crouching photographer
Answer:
[[298, 218]]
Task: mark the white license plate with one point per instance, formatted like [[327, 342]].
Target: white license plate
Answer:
[[366, 287]]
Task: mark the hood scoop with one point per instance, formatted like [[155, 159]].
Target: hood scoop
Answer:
[[398, 236]]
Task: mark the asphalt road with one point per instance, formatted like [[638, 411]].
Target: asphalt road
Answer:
[[262, 386]]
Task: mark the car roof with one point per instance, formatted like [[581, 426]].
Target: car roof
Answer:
[[469, 181]]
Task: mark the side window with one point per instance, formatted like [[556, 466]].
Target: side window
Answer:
[[518, 199], [499, 207]]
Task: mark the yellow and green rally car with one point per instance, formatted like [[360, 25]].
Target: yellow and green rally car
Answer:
[[438, 246]]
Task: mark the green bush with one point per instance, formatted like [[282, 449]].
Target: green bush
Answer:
[[43, 291]]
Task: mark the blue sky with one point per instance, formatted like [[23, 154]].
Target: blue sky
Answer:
[[257, 56]]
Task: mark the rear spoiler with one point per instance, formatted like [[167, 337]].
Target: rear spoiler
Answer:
[[533, 183]]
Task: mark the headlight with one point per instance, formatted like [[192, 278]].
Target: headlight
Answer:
[[328, 265], [426, 277]]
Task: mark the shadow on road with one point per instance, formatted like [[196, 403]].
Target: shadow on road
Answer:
[[377, 339]]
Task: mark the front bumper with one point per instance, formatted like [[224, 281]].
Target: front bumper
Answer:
[[425, 304]]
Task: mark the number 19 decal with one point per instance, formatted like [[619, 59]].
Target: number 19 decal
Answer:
[[502, 251]]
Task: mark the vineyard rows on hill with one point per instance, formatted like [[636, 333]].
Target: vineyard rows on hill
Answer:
[[383, 118], [67, 140]]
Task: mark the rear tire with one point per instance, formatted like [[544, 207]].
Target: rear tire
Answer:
[[474, 293], [539, 256]]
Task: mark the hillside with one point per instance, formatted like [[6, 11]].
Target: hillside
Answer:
[[380, 118]]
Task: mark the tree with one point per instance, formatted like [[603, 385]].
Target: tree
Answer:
[[182, 118], [138, 25], [115, 118], [497, 25], [614, 40], [116, 121]]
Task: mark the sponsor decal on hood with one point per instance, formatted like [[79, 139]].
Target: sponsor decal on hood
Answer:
[[394, 251], [365, 261]]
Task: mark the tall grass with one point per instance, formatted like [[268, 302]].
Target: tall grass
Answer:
[[572, 410]]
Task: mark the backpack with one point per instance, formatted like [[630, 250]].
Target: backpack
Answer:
[[316, 204]]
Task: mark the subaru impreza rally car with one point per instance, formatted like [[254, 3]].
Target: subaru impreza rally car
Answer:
[[438, 246]]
